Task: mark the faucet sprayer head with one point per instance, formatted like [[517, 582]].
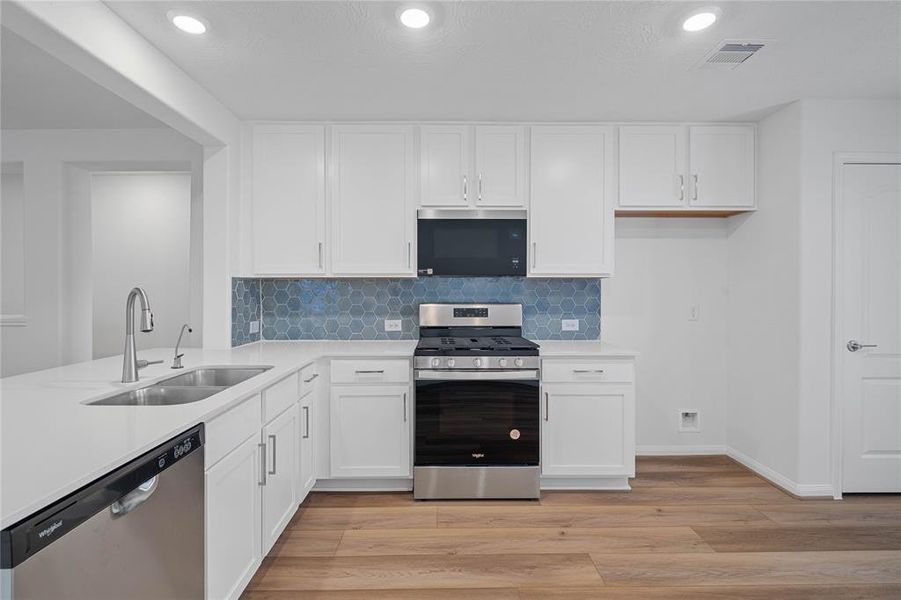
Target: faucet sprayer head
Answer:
[[146, 320]]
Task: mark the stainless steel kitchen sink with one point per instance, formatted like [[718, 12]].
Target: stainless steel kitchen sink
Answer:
[[214, 376], [192, 386], [158, 395]]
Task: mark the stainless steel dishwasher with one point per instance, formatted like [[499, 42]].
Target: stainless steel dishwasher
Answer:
[[134, 533]]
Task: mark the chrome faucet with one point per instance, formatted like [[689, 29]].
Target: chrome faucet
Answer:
[[176, 362], [131, 364]]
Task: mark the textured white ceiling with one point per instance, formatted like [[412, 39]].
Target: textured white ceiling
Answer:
[[38, 91], [525, 60]]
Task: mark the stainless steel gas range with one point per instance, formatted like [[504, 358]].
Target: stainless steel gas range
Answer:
[[477, 404]]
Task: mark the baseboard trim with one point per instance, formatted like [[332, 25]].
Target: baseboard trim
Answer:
[[612, 484], [388, 484], [680, 450], [802, 490]]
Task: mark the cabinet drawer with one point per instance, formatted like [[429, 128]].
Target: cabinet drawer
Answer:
[[370, 371], [227, 431], [308, 377], [587, 370], [279, 397]]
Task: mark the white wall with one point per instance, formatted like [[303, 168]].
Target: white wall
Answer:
[[764, 305], [12, 252], [663, 266], [141, 230], [827, 127], [780, 318], [52, 200]]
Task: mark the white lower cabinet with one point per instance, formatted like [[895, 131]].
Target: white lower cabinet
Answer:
[[251, 487], [280, 478], [233, 525], [587, 422], [370, 430], [306, 471]]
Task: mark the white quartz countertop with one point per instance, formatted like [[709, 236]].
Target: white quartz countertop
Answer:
[[582, 349], [52, 443]]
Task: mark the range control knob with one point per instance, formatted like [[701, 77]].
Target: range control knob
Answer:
[[518, 362], [502, 362], [477, 362], [450, 363], [436, 362]]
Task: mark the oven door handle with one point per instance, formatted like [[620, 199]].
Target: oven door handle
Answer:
[[478, 375]]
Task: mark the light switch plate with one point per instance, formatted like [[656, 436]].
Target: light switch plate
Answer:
[[254, 327], [570, 324], [392, 324]]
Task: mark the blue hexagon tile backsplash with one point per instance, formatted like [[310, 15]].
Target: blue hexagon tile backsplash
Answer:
[[355, 309]]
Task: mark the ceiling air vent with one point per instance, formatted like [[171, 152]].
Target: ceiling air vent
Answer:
[[729, 54]]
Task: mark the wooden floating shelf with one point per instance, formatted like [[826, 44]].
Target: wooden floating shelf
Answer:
[[683, 214]]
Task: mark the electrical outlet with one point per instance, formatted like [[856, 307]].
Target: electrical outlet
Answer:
[[694, 312], [689, 421], [570, 324], [392, 324], [254, 327]]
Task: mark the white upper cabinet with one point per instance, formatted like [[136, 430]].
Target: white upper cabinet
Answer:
[[288, 199], [445, 156], [572, 201], [500, 166], [373, 200], [652, 166], [721, 158]]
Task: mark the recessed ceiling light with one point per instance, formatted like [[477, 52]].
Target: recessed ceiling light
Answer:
[[699, 21], [188, 23], [415, 18]]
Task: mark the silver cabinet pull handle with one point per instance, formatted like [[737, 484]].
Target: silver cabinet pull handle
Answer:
[[306, 412], [480, 187], [695, 198], [681, 188], [262, 448], [854, 346], [547, 407], [320, 255], [272, 439], [534, 253], [315, 375], [405, 407], [465, 194], [409, 252], [372, 372], [596, 371]]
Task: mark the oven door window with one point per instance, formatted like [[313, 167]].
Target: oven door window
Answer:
[[488, 423]]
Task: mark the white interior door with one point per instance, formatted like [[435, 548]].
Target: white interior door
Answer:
[[868, 303]]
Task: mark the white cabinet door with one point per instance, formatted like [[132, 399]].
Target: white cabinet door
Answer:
[[721, 158], [500, 166], [445, 158], [288, 188], [652, 168], [571, 212], [280, 443], [587, 430], [373, 200], [232, 528], [307, 464], [370, 431]]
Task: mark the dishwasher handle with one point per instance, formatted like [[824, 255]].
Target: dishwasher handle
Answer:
[[135, 498]]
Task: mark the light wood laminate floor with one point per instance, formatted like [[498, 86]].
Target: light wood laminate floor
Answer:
[[692, 527]]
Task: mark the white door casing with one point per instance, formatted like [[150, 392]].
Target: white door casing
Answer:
[[867, 386]]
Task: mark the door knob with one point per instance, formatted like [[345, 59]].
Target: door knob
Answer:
[[854, 346]]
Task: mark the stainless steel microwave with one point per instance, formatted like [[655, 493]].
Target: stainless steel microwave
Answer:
[[472, 243]]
